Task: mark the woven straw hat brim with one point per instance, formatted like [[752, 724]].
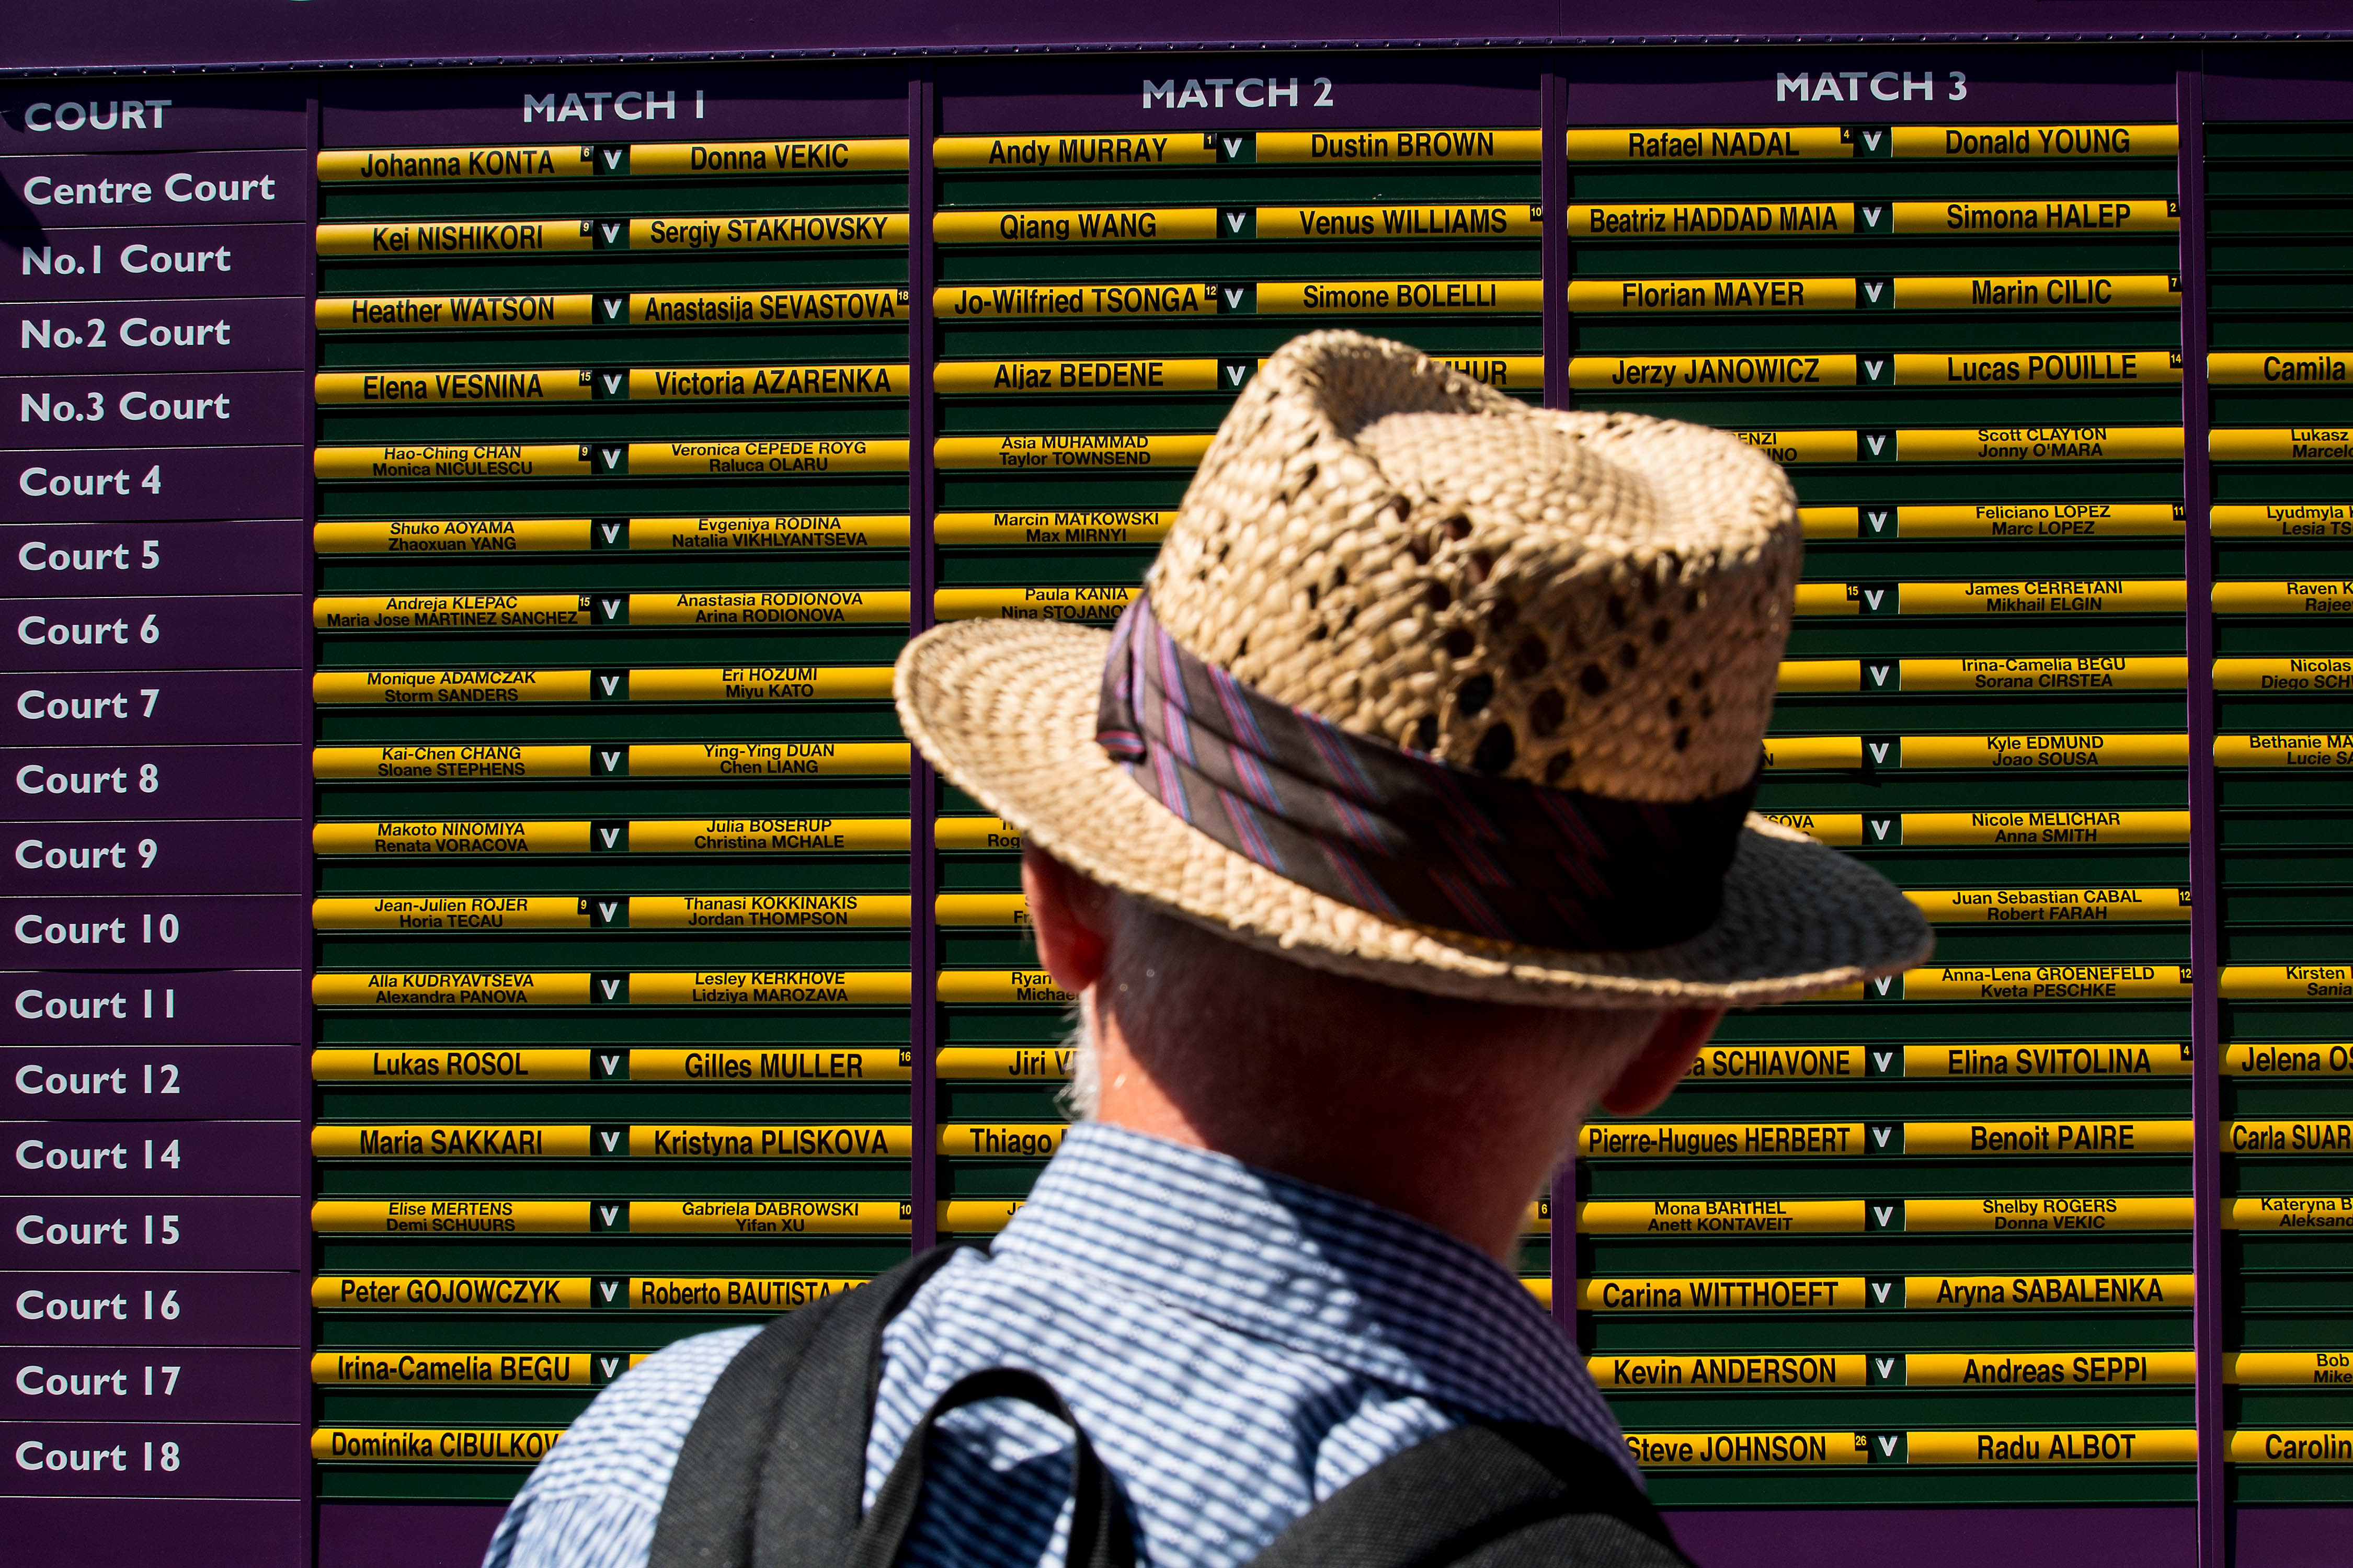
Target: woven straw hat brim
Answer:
[[1006, 711]]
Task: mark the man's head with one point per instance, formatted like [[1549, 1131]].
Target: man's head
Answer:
[[1453, 1110]]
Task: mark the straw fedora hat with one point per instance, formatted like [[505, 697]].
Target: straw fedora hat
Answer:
[[1438, 690]]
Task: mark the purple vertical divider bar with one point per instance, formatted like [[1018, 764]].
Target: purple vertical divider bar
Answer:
[[1552, 190], [308, 1033], [2205, 889], [922, 784]]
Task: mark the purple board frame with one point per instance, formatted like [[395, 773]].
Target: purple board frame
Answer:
[[228, 115]]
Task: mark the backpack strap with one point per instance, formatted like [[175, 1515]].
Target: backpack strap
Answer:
[[1502, 1494], [1100, 1536], [777, 1458]]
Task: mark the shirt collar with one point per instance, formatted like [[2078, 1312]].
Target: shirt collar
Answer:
[[1318, 1271]]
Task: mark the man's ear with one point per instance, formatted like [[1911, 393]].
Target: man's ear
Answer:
[[1653, 1075], [1071, 916]]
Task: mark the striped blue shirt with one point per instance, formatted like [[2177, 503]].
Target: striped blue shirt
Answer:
[[1237, 1346]]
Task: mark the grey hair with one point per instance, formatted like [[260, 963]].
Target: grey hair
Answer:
[[1081, 1098], [1168, 960]]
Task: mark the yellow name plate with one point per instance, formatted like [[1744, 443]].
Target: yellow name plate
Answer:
[[748, 307], [770, 1216], [2283, 676], [2309, 1368], [400, 388], [446, 1140], [2032, 595], [1731, 1293], [979, 302], [1705, 143], [1596, 295], [1703, 373], [388, 165], [2287, 444], [1087, 375], [2086, 1446], [2043, 1369], [2023, 674], [984, 1140], [779, 231], [1031, 604], [431, 460], [2123, 141], [835, 156], [766, 759], [2284, 519], [787, 382], [1024, 1064], [788, 530], [1729, 1140], [468, 1369], [2039, 292], [460, 1064], [1073, 152], [449, 1217], [2303, 367], [2077, 367], [1494, 221], [442, 912], [1085, 226], [420, 763], [453, 1292], [1707, 220], [433, 1445], [2330, 751], [2050, 906], [456, 536], [1720, 1217], [799, 1065], [1992, 829], [1113, 451], [2114, 216], [1668, 1450], [2310, 1447], [1060, 528], [1729, 1372], [2085, 751], [1449, 145], [769, 606], [1001, 985], [2329, 596], [2289, 1058], [1806, 752], [2003, 520], [420, 312], [1809, 445], [2170, 1059], [981, 910], [975, 832], [780, 683], [662, 988], [2142, 1137], [2331, 1212], [1401, 296], [445, 687], [2287, 983], [2041, 443], [482, 236], [451, 612], [2035, 983], [691, 911], [2285, 1137], [739, 459]]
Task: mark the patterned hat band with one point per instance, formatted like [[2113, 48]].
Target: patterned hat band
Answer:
[[1402, 836]]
